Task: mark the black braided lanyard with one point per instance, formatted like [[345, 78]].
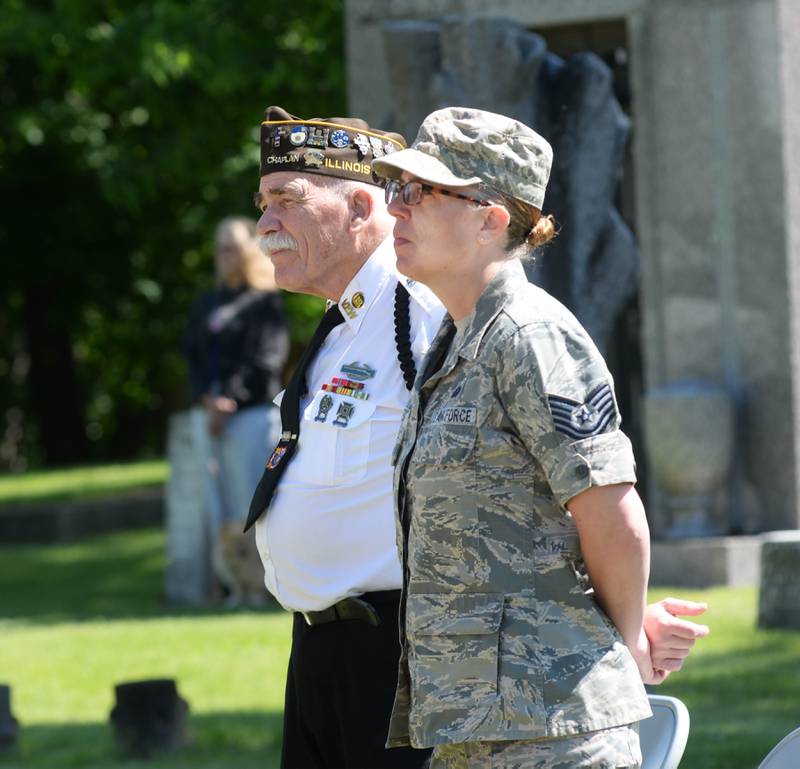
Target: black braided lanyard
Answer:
[[402, 335]]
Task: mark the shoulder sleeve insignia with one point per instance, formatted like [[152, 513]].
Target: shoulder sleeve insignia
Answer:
[[584, 420]]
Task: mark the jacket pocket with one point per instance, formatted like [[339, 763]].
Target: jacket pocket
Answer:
[[453, 649], [446, 445]]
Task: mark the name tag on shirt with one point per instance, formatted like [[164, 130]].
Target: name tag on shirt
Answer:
[[457, 415]]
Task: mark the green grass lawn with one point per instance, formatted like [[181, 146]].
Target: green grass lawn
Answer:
[[76, 619], [741, 685], [71, 483]]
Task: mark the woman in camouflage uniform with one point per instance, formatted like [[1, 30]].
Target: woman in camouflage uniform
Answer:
[[514, 482]]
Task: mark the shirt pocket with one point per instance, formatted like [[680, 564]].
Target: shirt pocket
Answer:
[[453, 641], [441, 444], [334, 440]]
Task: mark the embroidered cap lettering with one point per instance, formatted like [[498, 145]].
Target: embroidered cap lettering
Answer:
[[584, 420]]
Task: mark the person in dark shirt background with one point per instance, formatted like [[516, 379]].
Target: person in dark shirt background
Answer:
[[236, 346]]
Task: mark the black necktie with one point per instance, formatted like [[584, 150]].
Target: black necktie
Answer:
[[290, 419], [435, 357]]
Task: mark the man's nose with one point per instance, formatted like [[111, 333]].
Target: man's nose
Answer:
[[268, 222]]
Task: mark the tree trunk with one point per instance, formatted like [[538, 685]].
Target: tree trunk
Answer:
[[56, 400]]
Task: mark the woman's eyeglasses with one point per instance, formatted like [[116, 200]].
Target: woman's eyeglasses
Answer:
[[413, 191]]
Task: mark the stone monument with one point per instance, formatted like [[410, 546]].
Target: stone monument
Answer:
[[780, 572], [593, 268], [9, 727], [690, 431], [715, 110], [188, 574], [149, 717]]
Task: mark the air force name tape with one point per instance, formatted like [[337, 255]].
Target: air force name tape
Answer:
[[342, 147], [584, 420]]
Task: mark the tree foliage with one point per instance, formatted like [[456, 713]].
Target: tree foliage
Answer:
[[129, 130]]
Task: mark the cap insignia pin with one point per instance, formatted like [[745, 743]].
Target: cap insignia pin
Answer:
[[348, 309], [362, 142], [298, 136], [277, 134], [340, 139], [317, 137], [314, 158], [377, 146]]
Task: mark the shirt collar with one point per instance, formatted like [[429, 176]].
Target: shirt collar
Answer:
[[504, 284], [366, 285], [420, 293]]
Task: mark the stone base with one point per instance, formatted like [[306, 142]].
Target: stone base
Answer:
[[9, 726], [69, 520], [706, 562], [780, 573], [149, 717]]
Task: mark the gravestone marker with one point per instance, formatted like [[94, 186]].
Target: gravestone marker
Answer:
[[778, 605], [188, 560], [9, 727]]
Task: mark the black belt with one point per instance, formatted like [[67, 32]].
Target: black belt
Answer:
[[353, 608]]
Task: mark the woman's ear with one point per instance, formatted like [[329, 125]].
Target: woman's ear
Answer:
[[360, 208], [495, 223]]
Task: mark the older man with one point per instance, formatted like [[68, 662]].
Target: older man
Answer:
[[324, 508]]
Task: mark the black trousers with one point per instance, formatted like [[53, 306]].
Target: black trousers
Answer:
[[339, 694]]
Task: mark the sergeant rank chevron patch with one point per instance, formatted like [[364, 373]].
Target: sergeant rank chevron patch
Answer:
[[584, 420]]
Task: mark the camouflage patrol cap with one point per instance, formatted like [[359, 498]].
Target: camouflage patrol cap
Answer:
[[337, 146], [461, 146]]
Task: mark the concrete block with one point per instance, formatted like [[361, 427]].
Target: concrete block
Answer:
[[780, 574], [187, 576], [706, 562]]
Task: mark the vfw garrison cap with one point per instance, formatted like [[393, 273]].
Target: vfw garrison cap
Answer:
[[460, 147], [337, 146]]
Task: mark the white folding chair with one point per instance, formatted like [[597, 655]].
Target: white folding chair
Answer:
[[785, 755], [663, 737]]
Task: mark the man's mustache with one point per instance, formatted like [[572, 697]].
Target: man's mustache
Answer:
[[277, 241]]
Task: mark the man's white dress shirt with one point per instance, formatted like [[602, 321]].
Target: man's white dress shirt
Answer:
[[329, 531]]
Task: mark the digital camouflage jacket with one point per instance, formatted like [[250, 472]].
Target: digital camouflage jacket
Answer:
[[501, 639]]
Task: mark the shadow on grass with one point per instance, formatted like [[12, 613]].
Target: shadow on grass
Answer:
[[242, 740], [738, 700], [117, 576]]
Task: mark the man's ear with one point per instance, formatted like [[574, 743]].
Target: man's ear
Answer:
[[360, 208], [495, 223]]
